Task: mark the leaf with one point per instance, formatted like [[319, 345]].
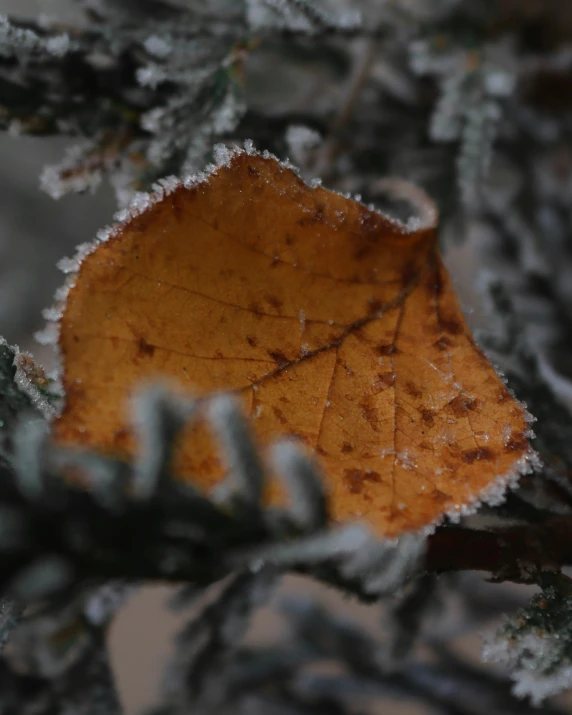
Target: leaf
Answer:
[[332, 322]]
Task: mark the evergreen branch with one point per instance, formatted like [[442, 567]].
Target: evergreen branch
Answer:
[[181, 537], [265, 679]]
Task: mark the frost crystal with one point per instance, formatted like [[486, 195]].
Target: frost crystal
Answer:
[[268, 14], [495, 493], [301, 139], [151, 76], [222, 155], [349, 20], [31, 380], [227, 116], [58, 46], [103, 603], [167, 185], [469, 108], [23, 42], [82, 169], [157, 46], [49, 335], [13, 39], [446, 121], [297, 15], [68, 265]]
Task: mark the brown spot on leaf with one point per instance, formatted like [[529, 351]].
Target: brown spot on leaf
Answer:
[[428, 417], [275, 302], [473, 455], [144, 349], [255, 308], [459, 405], [387, 349], [516, 443], [120, 436], [369, 413], [279, 415], [362, 252], [374, 306], [278, 357], [503, 395], [438, 495], [444, 343], [355, 479], [412, 389], [383, 380], [318, 216], [252, 340], [347, 448], [451, 325]]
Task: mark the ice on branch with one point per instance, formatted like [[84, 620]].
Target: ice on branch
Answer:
[[81, 170], [22, 41], [298, 16], [536, 646]]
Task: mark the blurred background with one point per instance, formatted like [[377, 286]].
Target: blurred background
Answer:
[[35, 233]]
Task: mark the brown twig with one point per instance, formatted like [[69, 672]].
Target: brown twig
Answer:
[[517, 553], [324, 158]]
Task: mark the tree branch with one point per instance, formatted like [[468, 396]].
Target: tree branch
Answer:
[[516, 553]]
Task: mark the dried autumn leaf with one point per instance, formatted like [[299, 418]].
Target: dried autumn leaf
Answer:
[[332, 322]]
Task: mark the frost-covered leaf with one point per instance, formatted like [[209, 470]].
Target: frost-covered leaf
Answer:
[[382, 380]]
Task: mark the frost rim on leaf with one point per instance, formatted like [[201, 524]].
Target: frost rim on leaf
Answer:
[[223, 155]]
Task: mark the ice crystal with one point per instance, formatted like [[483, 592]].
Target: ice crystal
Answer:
[[17, 41], [81, 170], [300, 139], [297, 15], [157, 46]]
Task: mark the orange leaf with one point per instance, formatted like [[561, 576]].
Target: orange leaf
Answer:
[[333, 323]]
